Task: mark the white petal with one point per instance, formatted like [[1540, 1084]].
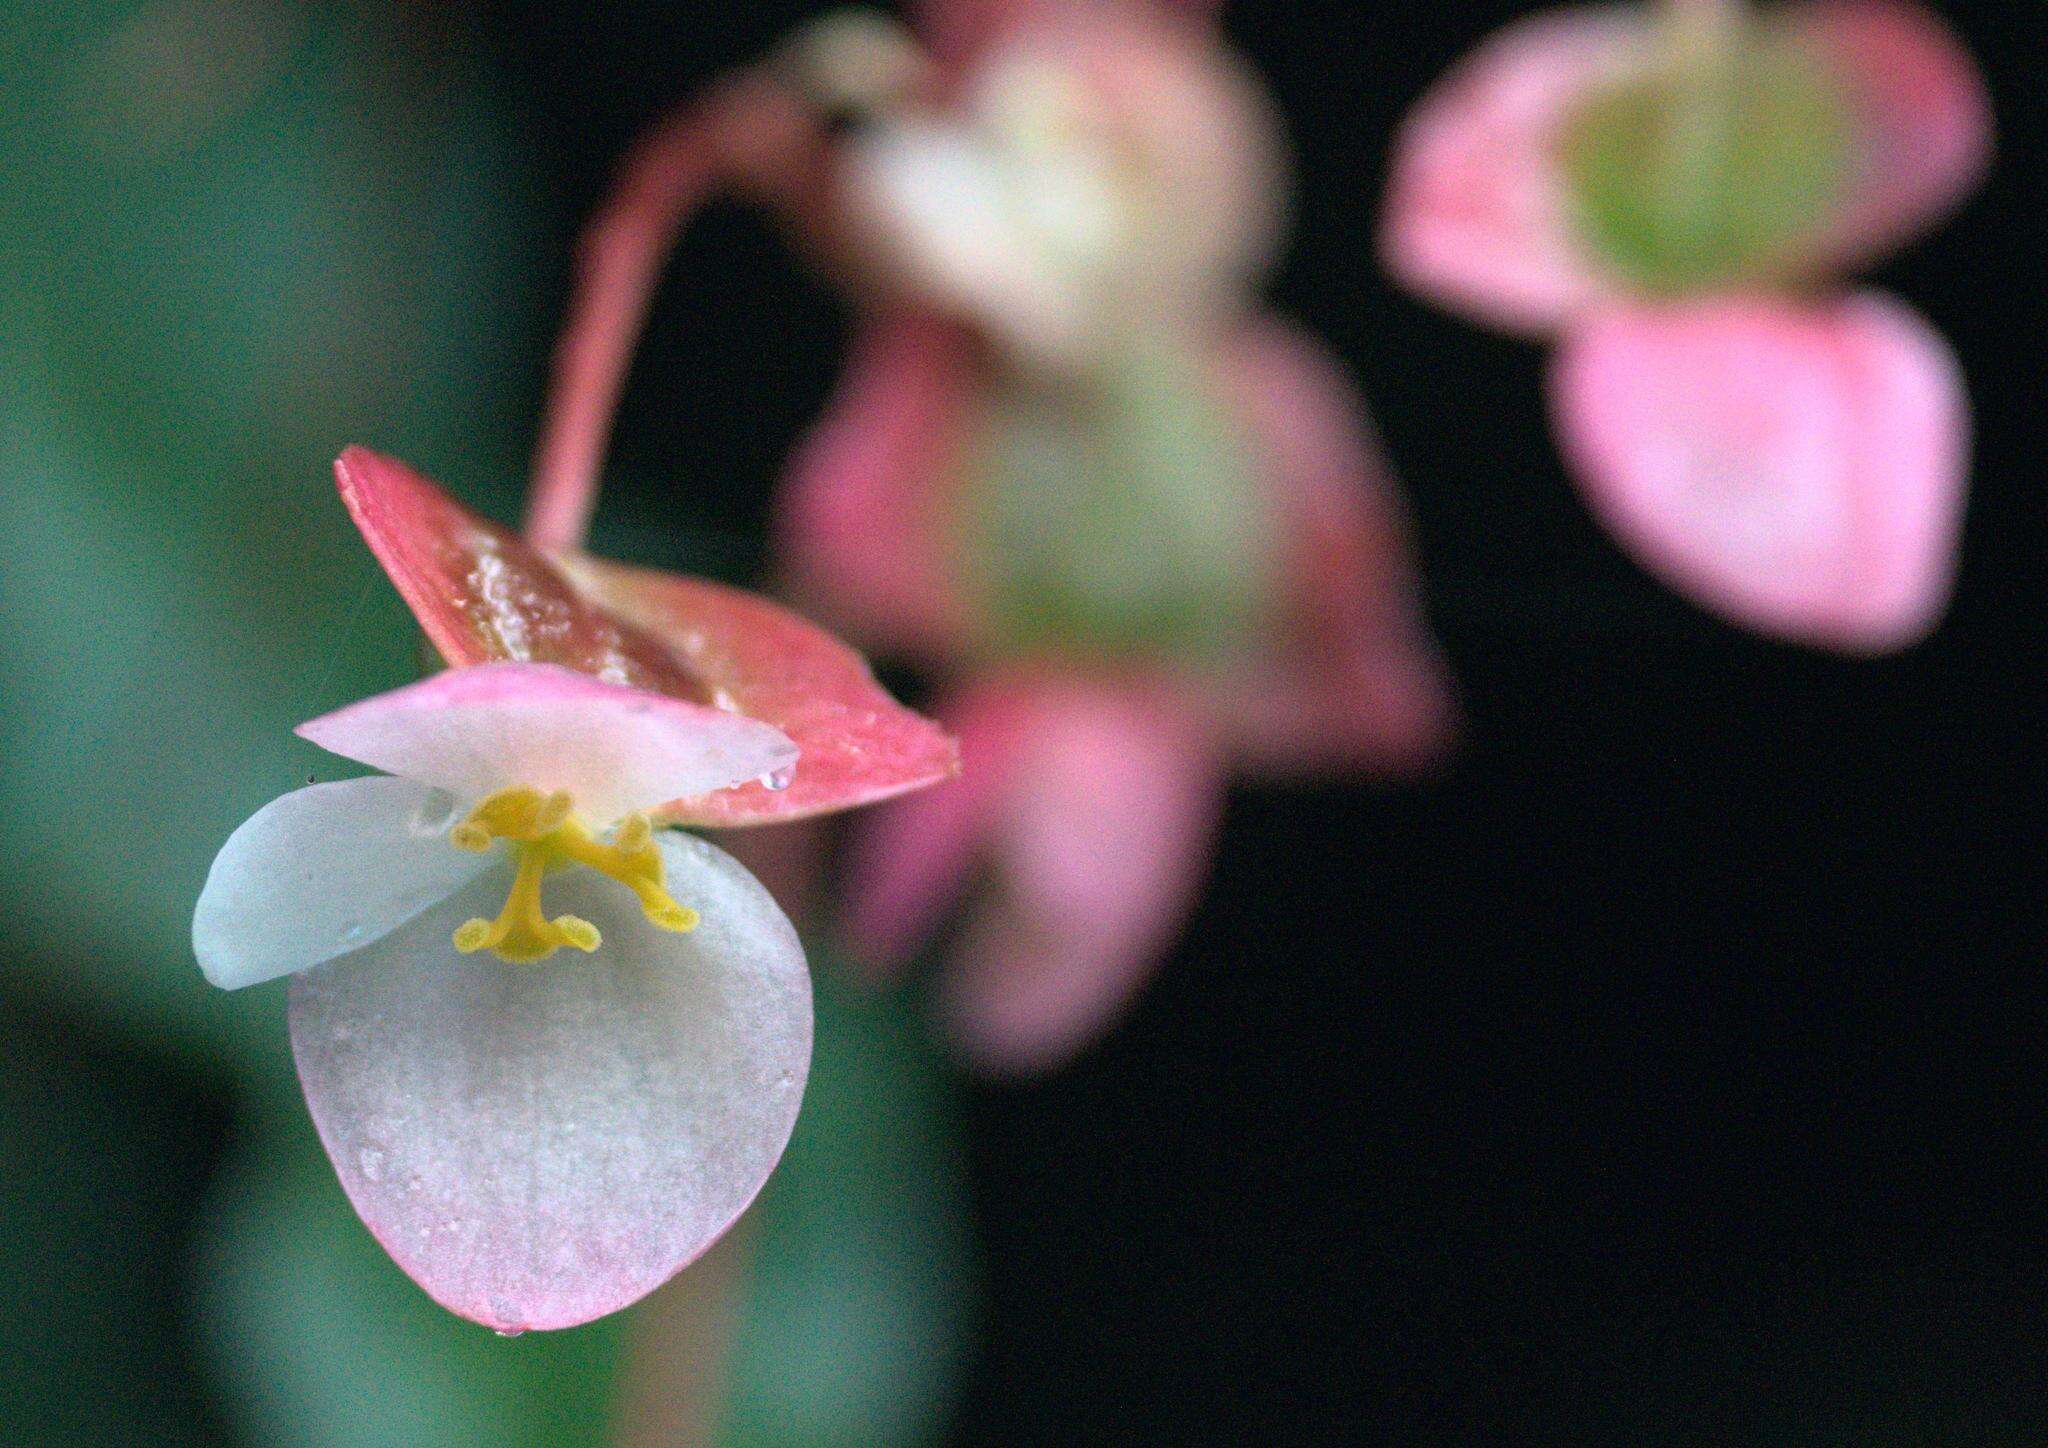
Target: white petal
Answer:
[[947, 204], [541, 1145], [323, 871], [476, 730]]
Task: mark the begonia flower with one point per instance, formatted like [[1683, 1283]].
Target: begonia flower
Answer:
[[537, 1138], [1671, 193], [1139, 533], [536, 1143]]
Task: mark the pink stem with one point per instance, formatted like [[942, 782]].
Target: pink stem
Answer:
[[748, 132]]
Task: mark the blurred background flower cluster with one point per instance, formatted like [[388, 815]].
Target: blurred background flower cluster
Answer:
[[1667, 1057]]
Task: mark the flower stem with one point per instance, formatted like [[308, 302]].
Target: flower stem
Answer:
[[749, 133]]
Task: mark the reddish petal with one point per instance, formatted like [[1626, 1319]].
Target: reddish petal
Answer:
[[1923, 111], [856, 744], [1476, 210], [481, 594], [1798, 469], [539, 1146], [1356, 680], [907, 861], [862, 516], [1109, 801]]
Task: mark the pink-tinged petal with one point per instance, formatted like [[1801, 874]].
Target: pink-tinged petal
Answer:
[[1355, 680], [856, 744], [1109, 804], [538, 1146], [1921, 109], [614, 749], [1477, 214], [482, 594], [861, 520], [1798, 469], [909, 860]]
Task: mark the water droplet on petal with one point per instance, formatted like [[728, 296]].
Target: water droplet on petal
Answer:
[[779, 779], [371, 1160], [435, 815], [509, 1331]]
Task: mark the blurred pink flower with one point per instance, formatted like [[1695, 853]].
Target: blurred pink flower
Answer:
[[1139, 533], [538, 1147], [1667, 193], [1087, 179], [1090, 788]]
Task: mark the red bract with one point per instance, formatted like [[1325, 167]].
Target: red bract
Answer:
[[1048, 182], [1794, 462]]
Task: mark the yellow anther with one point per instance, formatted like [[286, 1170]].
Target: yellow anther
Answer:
[[546, 836], [671, 916], [578, 932], [634, 834]]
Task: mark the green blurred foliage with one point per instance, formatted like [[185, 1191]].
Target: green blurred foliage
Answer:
[[91, 1204], [858, 1313], [1710, 173], [237, 237], [214, 281], [320, 1340]]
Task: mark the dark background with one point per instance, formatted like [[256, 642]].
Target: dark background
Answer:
[[1669, 1070]]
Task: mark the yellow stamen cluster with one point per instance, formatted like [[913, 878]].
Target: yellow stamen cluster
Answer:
[[545, 836]]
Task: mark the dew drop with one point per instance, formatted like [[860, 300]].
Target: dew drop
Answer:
[[779, 779], [435, 815], [372, 1162], [508, 1331]]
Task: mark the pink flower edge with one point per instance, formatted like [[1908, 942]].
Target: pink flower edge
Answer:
[[1796, 468], [1476, 213]]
